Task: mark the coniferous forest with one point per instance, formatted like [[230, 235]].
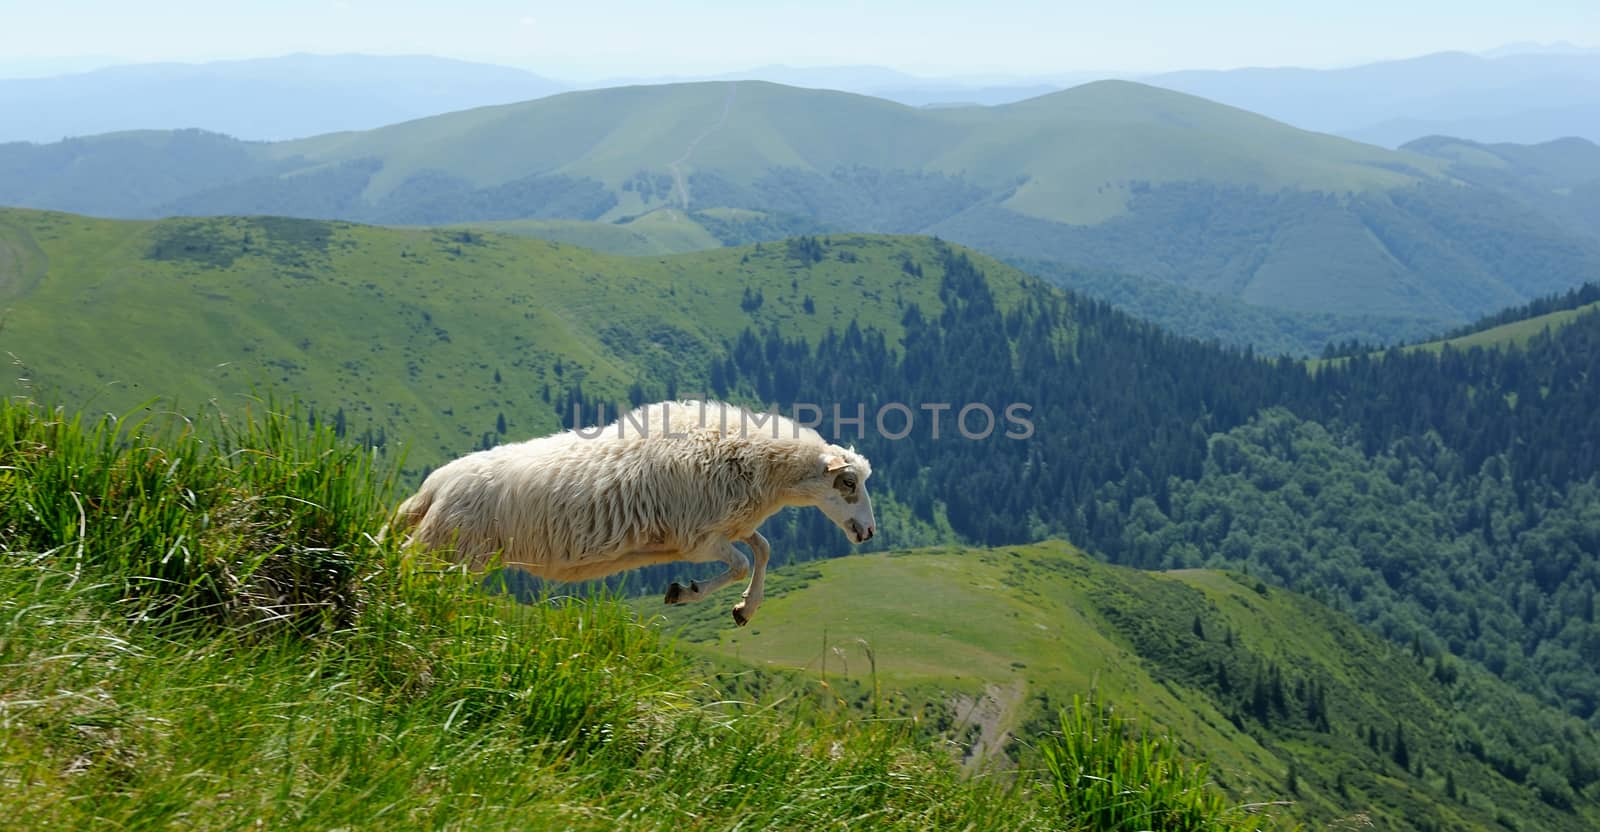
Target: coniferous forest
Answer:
[[1449, 499]]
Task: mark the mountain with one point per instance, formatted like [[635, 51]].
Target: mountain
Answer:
[[429, 337], [1271, 688], [1110, 177], [259, 99], [1560, 179], [1521, 97], [1228, 321], [1446, 500], [890, 84], [1560, 47], [44, 67]]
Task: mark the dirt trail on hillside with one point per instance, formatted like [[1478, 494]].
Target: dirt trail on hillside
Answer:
[[987, 716], [22, 263], [680, 181]]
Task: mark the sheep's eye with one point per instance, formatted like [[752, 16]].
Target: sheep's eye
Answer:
[[849, 482]]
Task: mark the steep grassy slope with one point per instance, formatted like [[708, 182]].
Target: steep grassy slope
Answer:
[[1112, 176], [422, 337], [200, 629], [991, 640]]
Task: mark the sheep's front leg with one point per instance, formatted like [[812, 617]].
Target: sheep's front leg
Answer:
[[738, 567], [746, 609]]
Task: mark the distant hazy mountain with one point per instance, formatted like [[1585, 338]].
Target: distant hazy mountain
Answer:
[[886, 83], [270, 98], [1508, 97], [1560, 47], [1110, 177], [12, 68]]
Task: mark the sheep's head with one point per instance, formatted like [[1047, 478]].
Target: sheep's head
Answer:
[[839, 488]]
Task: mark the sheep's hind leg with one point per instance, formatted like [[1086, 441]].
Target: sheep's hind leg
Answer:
[[746, 609], [738, 567]]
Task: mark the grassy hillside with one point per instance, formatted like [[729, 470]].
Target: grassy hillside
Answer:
[[1514, 327], [201, 629], [663, 231], [1111, 176], [1514, 334], [1560, 179], [741, 131], [425, 338], [992, 640], [659, 139]]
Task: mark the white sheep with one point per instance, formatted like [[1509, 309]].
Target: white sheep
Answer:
[[672, 481]]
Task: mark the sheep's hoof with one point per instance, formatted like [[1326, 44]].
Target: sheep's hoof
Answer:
[[739, 616], [675, 593]]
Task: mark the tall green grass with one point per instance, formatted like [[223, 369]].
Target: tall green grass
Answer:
[[260, 516], [1107, 772], [201, 628]]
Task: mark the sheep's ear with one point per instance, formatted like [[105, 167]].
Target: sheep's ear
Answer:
[[836, 464]]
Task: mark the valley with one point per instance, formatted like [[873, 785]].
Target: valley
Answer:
[[1304, 532]]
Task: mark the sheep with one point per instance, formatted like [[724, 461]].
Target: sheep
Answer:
[[667, 482]]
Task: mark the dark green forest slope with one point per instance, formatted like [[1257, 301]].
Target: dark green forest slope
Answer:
[[1445, 498]]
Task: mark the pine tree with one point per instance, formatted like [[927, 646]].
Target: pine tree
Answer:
[[1401, 753]]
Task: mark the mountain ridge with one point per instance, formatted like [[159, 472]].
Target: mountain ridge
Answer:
[[1110, 176]]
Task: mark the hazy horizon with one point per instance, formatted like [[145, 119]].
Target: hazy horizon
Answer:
[[633, 39]]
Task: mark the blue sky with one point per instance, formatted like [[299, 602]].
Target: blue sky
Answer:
[[601, 38]]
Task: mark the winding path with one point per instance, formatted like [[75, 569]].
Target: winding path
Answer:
[[680, 181]]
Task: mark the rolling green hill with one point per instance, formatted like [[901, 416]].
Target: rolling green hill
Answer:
[[1261, 681], [1111, 176], [740, 132], [1560, 179], [666, 231], [435, 339]]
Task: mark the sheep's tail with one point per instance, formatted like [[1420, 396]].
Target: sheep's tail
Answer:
[[409, 514]]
